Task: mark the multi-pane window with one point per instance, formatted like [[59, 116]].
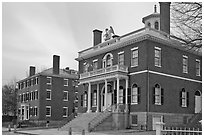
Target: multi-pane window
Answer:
[[49, 80], [197, 67], [158, 95], [65, 95], [95, 64], [121, 58], [94, 99], [121, 95], [48, 111], [66, 82], [134, 119], [185, 64], [108, 61], [65, 111], [184, 98], [48, 95], [36, 94], [85, 100], [36, 80], [156, 25], [86, 66], [134, 57], [157, 57], [135, 98], [35, 111]]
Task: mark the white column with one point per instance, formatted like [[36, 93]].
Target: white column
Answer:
[[97, 109], [106, 90], [126, 94], [89, 98], [118, 84]]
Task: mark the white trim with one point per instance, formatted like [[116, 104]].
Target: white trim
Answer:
[[134, 48], [157, 48], [50, 80], [67, 95], [184, 56], [67, 84], [120, 52], [197, 60], [46, 111], [164, 74], [35, 111], [173, 76], [95, 60], [66, 112], [50, 94], [138, 72]]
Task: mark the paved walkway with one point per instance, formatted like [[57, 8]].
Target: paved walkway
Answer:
[[55, 131]]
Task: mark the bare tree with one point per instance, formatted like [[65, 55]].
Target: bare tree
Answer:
[[186, 22], [9, 99]]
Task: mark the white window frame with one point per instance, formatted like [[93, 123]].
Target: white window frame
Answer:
[[184, 99], [46, 111], [36, 80], [48, 90], [185, 65], [67, 95], [157, 100], [35, 112], [36, 95], [67, 83], [121, 53], [197, 60], [94, 99], [66, 111], [134, 95], [50, 80], [85, 100], [121, 96], [95, 61], [159, 58], [132, 50]]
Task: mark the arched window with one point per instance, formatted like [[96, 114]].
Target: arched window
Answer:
[[156, 25], [149, 24], [184, 98], [107, 60], [86, 65], [197, 93], [158, 95], [135, 98]]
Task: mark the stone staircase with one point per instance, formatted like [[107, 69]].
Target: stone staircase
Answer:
[[81, 122]]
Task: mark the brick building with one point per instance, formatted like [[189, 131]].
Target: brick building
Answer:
[[48, 95], [142, 77]]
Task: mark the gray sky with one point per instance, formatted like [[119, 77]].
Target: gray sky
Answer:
[[33, 32]]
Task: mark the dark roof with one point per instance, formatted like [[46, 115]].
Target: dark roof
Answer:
[[49, 72], [150, 16]]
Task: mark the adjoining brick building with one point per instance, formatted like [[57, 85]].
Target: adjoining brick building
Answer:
[[48, 95], [142, 77]]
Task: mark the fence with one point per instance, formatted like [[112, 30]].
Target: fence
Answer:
[[161, 130]]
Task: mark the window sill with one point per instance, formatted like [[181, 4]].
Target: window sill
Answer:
[[48, 99], [157, 66], [64, 116], [134, 66], [134, 103], [65, 100], [48, 116]]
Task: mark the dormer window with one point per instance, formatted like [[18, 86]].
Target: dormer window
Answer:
[[156, 25]]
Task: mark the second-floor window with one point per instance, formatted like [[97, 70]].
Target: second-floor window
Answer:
[[185, 64], [134, 57], [65, 96], [158, 95], [95, 64], [197, 67], [157, 57], [48, 97], [49, 80], [121, 58], [107, 60], [86, 66]]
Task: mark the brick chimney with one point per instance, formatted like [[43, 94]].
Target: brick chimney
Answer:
[[96, 37], [165, 16], [32, 71], [56, 64]]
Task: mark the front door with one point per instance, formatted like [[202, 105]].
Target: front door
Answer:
[[156, 119]]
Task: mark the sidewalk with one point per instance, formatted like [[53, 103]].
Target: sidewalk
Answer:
[[55, 131]]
